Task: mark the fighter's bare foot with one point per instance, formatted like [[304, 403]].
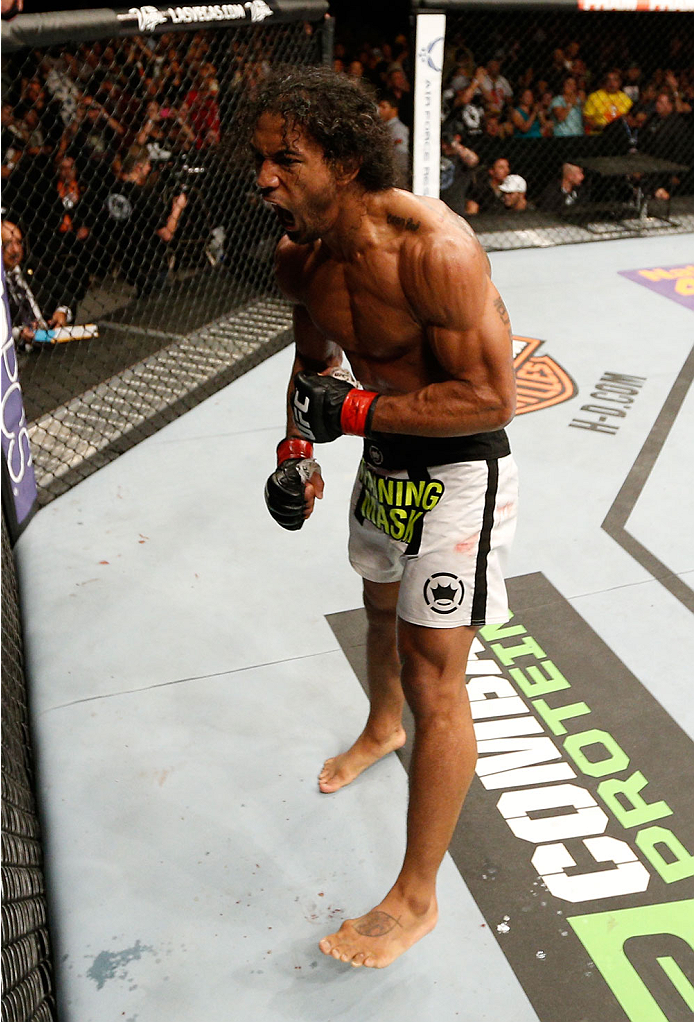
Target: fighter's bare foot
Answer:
[[340, 770], [382, 935]]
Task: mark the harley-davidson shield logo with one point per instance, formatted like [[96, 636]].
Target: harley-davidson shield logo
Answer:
[[540, 381]]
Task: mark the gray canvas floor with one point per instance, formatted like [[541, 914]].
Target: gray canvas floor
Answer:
[[186, 685]]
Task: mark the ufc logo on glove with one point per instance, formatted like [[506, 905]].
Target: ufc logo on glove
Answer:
[[325, 407], [300, 410]]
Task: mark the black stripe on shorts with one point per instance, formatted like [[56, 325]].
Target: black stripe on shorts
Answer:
[[417, 475], [479, 600]]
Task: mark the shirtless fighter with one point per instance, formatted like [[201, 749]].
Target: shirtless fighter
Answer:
[[400, 285]]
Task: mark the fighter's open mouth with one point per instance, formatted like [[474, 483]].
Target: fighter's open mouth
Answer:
[[285, 218]]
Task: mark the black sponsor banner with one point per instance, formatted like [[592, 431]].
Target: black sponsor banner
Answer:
[[53, 27], [577, 836]]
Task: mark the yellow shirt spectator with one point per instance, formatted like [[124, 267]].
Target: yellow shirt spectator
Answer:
[[605, 105]]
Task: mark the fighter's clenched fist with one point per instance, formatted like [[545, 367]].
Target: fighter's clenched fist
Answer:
[[293, 486], [325, 407]]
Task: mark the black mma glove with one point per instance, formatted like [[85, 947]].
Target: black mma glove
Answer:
[[324, 408], [284, 490]]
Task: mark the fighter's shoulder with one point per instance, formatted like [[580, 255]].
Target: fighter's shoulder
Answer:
[[442, 245], [291, 268]]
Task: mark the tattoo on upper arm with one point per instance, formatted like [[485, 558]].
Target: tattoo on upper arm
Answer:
[[503, 315]]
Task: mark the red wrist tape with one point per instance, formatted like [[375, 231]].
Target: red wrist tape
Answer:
[[357, 412], [293, 447]]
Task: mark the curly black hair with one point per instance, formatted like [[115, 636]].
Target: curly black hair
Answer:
[[336, 112]]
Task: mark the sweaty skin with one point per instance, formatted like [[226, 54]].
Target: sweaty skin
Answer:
[[401, 286], [398, 283], [416, 314]]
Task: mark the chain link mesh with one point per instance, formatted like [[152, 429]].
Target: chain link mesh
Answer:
[[130, 227], [139, 238], [530, 87], [26, 969], [133, 217]]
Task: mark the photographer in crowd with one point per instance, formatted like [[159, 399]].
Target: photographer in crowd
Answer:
[[138, 225], [457, 165]]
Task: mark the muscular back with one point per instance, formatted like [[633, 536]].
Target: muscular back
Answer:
[[411, 303]]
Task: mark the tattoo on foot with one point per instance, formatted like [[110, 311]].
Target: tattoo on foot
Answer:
[[376, 924]]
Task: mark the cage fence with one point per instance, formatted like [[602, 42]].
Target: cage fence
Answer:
[[26, 963], [138, 273], [139, 260], [138, 256], [563, 126], [134, 219]]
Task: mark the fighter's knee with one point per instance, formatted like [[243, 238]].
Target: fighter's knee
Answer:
[[443, 708], [433, 673], [381, 599]]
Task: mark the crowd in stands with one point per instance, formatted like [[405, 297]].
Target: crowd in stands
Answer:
[[520, 91], [99, 145], [91, 133]]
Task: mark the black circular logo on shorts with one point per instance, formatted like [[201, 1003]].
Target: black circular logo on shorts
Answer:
[[444, 592]]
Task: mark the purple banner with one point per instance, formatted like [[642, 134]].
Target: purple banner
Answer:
[[15, 438], [675, 282]]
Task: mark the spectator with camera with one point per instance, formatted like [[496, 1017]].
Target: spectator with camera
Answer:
[[457, 165], [138, 224]]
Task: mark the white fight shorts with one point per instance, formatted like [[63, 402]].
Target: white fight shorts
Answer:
[[443, 532]]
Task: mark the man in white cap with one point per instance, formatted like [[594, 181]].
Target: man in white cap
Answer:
[[514, 193]]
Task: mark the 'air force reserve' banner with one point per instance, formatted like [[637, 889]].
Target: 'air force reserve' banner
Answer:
[[431, 30]]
